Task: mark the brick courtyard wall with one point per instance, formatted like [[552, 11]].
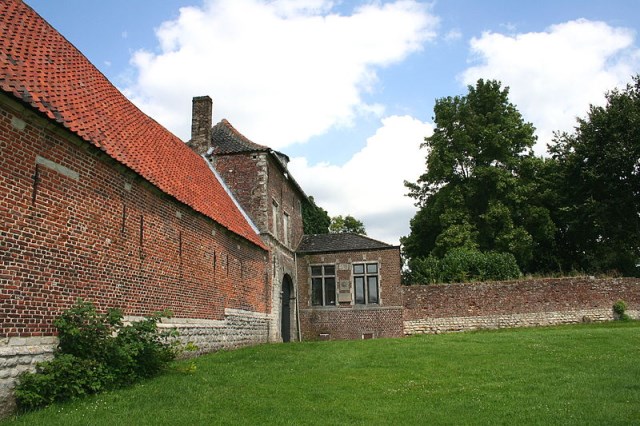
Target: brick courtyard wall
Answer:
[[540, 302], [74, 223], [347, 320]]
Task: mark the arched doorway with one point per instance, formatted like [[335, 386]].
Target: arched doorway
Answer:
[[285, 324]]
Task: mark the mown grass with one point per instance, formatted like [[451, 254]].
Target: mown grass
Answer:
[[585, 374]]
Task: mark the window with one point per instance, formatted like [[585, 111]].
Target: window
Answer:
[[323, 285], [274, 213], [365, 280], [285, 226]]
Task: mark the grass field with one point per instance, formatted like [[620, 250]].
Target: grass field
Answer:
[[584, 374]]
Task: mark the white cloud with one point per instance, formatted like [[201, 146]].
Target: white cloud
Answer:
[[554, 75], [281, 71], [453, 35], [370, 186]]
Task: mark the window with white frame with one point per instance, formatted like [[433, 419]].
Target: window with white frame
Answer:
[[323, 285], [365, 282]]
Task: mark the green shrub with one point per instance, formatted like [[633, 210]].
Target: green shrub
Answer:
[[64, 378], [501, 266], [464, 265], [96, 352], [620, 310], [424, 270]]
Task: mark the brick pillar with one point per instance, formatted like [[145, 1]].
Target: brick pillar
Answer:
[[201, 123]]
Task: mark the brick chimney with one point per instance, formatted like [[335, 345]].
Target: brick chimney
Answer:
[[201, 123]]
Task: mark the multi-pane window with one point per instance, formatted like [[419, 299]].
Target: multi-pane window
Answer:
[[323, 285], [365, 281]]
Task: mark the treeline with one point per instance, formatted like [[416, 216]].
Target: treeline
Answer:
[[484, 192]]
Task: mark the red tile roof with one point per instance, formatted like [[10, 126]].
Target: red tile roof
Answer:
[[41, 68]]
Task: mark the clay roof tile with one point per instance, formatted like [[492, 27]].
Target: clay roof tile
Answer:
[[41, 68]]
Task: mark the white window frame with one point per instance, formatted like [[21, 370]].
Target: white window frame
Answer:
[[364, 275], [324, 276]]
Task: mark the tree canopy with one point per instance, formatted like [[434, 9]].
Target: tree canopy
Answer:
[[479, 190], [598, 185], [484, 191], [346, 224]]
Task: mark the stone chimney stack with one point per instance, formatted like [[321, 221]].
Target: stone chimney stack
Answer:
[[201, 123]]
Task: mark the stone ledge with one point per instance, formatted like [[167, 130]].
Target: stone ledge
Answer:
[[27, 341], [469, 323]]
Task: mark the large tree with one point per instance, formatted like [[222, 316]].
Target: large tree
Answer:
[[346, 224], [481, 188], [598, 183]]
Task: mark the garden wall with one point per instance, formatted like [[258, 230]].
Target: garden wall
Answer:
[[525, 303]]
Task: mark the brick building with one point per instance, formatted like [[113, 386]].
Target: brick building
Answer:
[[99, 201], [349, 287], [258, 178]]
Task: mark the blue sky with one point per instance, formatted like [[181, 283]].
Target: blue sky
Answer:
[[347, 88]]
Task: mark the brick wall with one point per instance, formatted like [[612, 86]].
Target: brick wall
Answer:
[[460, 307], [74, 223], [348, 320], [246, 176], [257, 181]]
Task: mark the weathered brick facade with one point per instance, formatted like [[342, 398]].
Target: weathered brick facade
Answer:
[[100, 202], [348, 320], [74, 223], [258, 178]]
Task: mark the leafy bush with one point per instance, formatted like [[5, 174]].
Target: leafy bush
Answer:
[[424, 270], [619, 309], [464, 265], [63, 378], [96, 352], [501, 266]]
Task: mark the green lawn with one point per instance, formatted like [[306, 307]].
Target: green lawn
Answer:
[[585, 374]]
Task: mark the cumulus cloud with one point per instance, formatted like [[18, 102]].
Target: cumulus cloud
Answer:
[[554, 75], [282, 71], [370, 186]]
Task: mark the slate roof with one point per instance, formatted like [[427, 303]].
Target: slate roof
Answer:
[[227, 140], [39, 67], [328, 243]]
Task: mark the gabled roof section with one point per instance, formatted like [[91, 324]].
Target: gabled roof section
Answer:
[[225, 139], [41, 68], [328, 243]]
